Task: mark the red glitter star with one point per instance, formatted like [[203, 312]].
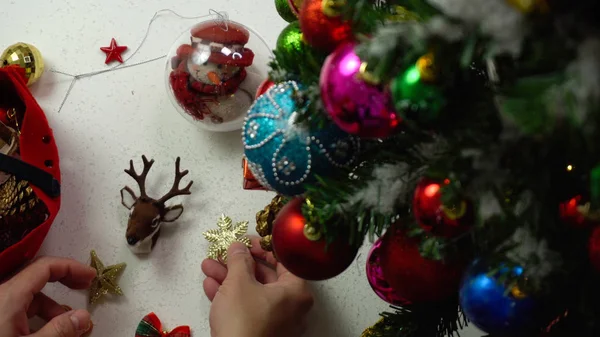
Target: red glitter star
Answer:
[[113, 53]]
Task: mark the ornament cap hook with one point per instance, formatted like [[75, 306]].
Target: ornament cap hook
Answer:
[[332, 8], [455, 212], [366, 75], [312, 233]]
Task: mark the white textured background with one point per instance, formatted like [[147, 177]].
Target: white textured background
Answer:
[[113, 117]]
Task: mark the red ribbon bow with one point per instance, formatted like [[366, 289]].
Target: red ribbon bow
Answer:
[[151, 326]]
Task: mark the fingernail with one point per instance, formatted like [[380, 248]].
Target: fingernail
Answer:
[[237, 248], [80, 320], [88, 328]]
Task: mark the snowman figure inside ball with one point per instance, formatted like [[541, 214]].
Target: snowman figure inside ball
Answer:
[[208, 74]]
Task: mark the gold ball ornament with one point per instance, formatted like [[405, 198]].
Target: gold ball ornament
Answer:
[[25, 56], [427, 68], [529, 6]]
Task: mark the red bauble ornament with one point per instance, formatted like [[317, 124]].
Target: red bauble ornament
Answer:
[[414, 278], [434, 216], [594, 248], [570, 212], [263, 87], [307, 259], [321, 31]]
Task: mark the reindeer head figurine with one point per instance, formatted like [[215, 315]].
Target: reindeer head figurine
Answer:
[[146, 214]]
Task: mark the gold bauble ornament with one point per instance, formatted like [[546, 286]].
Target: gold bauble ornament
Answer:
[[529, 6], [27, 57], [427, 68], [517, 292]]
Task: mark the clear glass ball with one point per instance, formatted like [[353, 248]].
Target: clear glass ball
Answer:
[[213, 72]]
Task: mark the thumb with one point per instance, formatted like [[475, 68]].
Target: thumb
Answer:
[[69, 324], [240, 264]]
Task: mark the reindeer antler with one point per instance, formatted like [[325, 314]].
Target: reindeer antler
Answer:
[[175, 191], [140, 178]]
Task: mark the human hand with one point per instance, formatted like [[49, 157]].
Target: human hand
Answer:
[[254, 299], [21, 298]]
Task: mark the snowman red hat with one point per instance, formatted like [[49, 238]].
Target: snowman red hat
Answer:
[[226, 43]]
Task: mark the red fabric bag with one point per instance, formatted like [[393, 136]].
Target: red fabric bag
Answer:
[[38, 149]]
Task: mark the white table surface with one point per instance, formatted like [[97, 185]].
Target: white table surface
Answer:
[[114, 117]]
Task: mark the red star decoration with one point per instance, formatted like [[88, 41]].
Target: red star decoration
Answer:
[[113, 53]]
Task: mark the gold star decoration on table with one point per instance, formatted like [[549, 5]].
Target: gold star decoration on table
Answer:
[[224, 236], [105, 281]]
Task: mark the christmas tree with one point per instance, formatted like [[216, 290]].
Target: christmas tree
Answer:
[[459, 138]]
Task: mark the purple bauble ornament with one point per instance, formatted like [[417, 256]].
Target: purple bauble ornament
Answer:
[[356, 107], [375, 276]]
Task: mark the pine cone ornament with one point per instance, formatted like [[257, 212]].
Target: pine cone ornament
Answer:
[[16, 196], [20, 211], [264, 221]]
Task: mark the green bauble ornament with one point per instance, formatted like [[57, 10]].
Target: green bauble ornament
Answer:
[[414, 97], [290, 40], [284, 10], [295, 55]]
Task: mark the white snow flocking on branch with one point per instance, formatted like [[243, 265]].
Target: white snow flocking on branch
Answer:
[[529, 249], [489, 206], [496, 18], [431, 150], [390, 185], [585, 79], [440, 26]]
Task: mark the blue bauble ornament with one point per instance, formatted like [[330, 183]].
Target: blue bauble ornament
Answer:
[[284, 155], [495, 309]]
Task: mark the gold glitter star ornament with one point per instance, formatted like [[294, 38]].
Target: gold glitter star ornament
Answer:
[[224, 236], [105, 281]]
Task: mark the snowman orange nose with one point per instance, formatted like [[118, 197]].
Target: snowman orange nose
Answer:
[[214, 78]]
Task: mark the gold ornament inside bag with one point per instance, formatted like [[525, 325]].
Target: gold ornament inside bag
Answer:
[[20, 209]]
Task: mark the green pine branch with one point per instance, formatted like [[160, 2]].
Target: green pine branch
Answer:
[[515, 141], [444, 319]]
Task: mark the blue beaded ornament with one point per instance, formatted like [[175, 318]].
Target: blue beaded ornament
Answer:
[[284, 155], [494, 308]]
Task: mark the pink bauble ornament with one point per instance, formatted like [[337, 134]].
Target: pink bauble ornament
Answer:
[[356, 107], [375, 276]]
